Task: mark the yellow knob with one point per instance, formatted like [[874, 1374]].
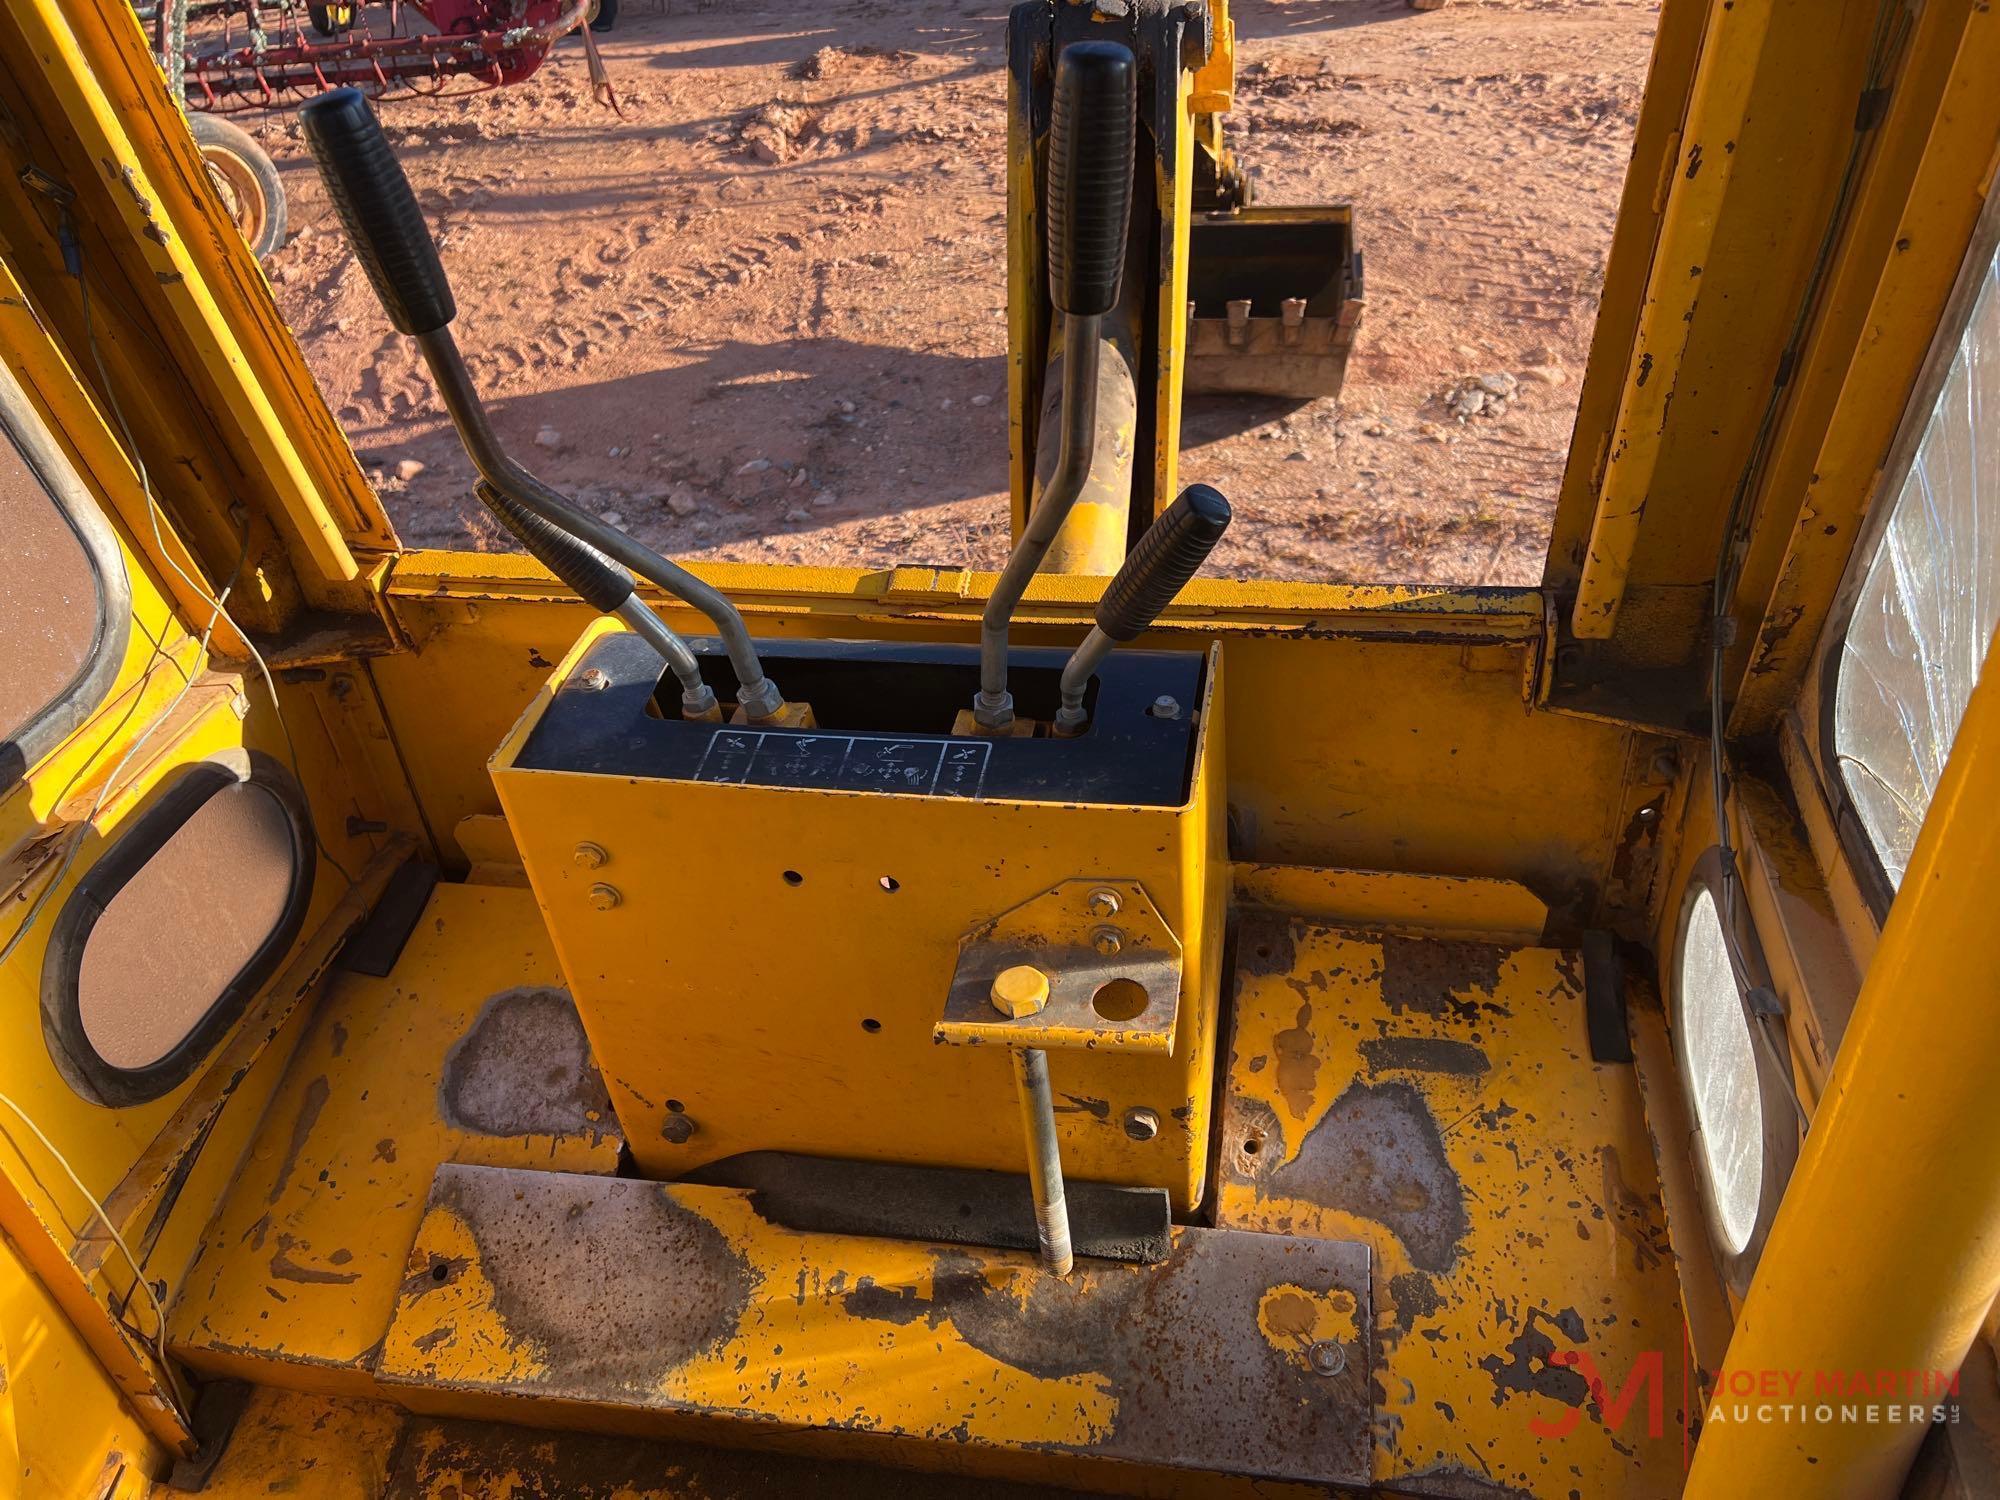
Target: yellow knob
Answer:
[[1020, 991]]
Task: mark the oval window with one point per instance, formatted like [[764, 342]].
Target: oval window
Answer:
[[172, 931], [1738, 1082], [1722, 1074]]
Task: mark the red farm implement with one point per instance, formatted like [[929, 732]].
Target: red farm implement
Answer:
[[229, 55]]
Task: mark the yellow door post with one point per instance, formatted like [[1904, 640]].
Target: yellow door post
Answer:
[[1885, 1254]]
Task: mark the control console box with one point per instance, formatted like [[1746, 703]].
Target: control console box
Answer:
[[734, 905]]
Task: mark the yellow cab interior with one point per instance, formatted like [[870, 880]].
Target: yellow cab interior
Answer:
[[1488, 1033]]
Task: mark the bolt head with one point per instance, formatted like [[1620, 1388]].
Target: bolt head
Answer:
[[1104, 903], [1326, 1357], [677, 1128], [1020, 991], [1141, 1124], [1107, 941], [604, 897], [591, 856], [593, 680], [1165, 707]]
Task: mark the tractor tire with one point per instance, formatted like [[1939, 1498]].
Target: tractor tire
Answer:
[[332, 19], [603, 15], [245, 179]]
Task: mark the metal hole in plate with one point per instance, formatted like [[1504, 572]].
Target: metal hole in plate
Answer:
[[871, 1025], [1120, 999], [1251, 1145], [675, 1107], [890, 884], [793, 877]]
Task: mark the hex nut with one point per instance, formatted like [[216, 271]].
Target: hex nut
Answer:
[[1104, 902], [1141, 1123], [677, 1128], [591, 856], [1165, 707], [604, 897], [1020, 992], [1107, 941]]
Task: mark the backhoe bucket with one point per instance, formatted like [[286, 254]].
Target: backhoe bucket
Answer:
[[1274, 299]]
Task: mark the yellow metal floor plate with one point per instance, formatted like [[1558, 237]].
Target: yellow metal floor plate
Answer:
[[669, 1309], [467, 1051], [1437, 1100], [305, 1447]]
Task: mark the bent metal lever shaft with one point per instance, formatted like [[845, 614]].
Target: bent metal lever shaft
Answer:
[[372, 197], [1089, 202], [1166, 557]]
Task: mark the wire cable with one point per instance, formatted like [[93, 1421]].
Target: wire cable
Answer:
[[158, 1343], [1892, 26]]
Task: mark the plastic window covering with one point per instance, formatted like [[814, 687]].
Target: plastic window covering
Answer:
[[1929, 603]]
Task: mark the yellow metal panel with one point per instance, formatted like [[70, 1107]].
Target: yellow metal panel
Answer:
[[718, 1324], [123, 64], [1348, 738], [148, 185], [1730, 54], [1445, 906], [1655, 150], [63, 1430], [301, 1265], [1914, 214], [1437, 1100], [698, 1074], [80, 431]]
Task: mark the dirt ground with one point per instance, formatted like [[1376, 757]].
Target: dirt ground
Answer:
[[762, 316]]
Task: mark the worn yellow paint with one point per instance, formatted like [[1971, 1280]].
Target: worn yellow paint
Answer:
[[1387, 727], [1926, 186], [857, 1365], [1020, 991], [300, 1268], [1443, 906], [1721, 101], [1294, 1318], [1504, 1181], [65, 46], [304, 1447]]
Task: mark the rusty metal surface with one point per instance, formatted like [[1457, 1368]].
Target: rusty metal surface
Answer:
[[645, 1304], [1437, 1099], [1081, 951]]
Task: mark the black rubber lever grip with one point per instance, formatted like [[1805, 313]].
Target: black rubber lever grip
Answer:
[[1165, 558], [595, 578], [1090, 174], [378, 210]]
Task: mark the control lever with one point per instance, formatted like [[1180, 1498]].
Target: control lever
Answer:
[[1166, 557], [1091, 142], [390, 239], [606, 587]]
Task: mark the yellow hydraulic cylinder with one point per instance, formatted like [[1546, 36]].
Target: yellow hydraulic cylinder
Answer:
[[1092, 538], [1885, 1254]]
